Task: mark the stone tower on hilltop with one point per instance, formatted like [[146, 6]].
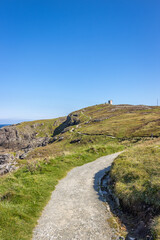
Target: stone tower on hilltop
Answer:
[[110, 102]]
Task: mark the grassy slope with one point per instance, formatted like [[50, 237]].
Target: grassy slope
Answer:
[[122, 121], [116, 120], [43, 128], [136, 177], [24, 193]]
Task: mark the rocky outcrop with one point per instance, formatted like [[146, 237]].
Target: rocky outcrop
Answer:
[[20, 142], [72, 119], [14, 138], [7, 163], [11, 138]]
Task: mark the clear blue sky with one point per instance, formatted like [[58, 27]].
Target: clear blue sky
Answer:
[[57, 56]]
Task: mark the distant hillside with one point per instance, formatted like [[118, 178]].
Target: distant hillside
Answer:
[[118, 121]]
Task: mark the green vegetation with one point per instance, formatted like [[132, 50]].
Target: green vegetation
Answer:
[[82, 137], [156, 228], [42, 128], [24, 193], [136, 179], [121, 121], [63, 147], [115, 223]]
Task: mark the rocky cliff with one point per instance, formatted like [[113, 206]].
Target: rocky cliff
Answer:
[[22, 138], [12, 138], [16, 137]]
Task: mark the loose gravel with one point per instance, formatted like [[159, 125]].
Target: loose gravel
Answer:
[[75, 210]]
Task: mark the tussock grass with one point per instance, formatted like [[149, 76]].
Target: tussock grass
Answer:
[[24, 194], [63, 147], [136, 179], [156, 228]]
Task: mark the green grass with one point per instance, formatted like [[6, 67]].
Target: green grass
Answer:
[[62, 147], [42, 128], [136, 172], [121, 121], [24, 193], [136, 179]]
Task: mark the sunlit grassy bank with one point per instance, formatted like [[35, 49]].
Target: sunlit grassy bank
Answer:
[[24, 193], [136, 180]]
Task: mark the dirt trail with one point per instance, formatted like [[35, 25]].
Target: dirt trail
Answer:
[[75, 210]]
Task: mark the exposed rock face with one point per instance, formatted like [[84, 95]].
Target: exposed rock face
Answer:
[[7, 163], [11, 138], [4, 158], [23, 140], [72, 119]]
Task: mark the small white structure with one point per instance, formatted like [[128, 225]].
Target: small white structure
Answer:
[[110, 102]]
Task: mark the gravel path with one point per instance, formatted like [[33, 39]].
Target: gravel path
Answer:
[[75, 210]]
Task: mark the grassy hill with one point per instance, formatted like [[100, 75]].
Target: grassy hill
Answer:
[[80, 137], [122, 121], [42, 128], [100, 122]]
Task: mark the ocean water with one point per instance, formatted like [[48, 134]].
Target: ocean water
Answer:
[[3, 125]]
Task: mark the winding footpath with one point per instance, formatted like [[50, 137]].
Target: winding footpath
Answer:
[[75, 210]]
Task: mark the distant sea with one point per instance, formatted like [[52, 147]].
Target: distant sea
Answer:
[[3, 125]]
